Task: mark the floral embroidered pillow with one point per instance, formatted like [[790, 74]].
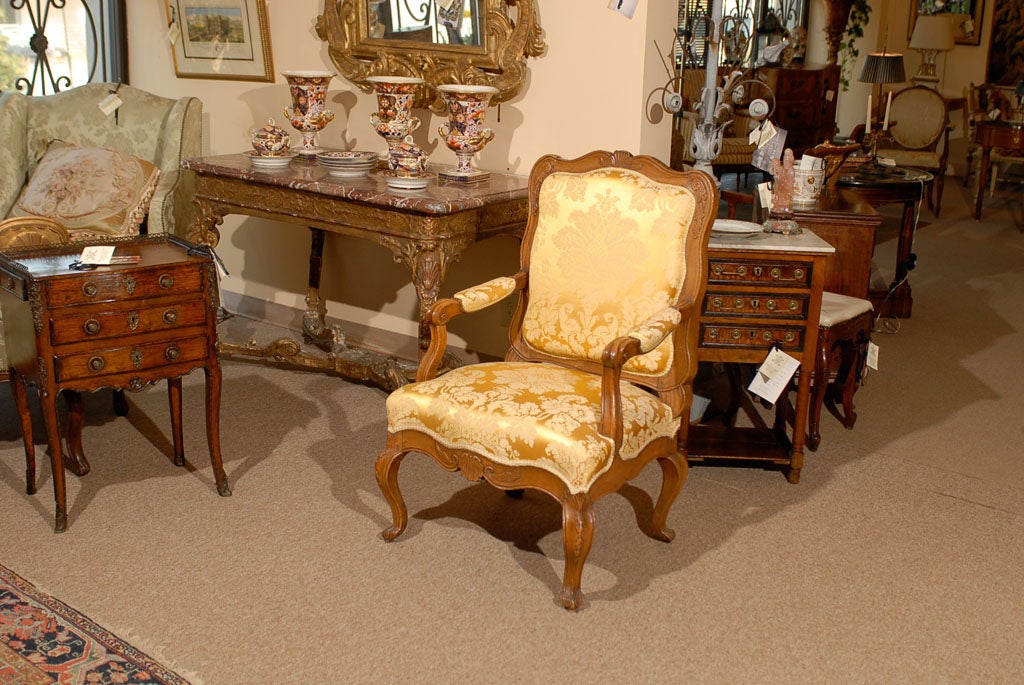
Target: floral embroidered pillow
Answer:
[[93, 192]]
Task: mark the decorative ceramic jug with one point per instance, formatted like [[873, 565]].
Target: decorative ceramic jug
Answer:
[[464, 133], [308, 113]]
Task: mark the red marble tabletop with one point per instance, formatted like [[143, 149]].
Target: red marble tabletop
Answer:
[[439, 197]]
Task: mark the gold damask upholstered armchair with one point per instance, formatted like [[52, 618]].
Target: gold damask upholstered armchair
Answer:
[[598, 379], [154, 133]]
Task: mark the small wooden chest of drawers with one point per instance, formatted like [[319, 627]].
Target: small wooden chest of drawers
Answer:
[[762, 291], [120, 326]]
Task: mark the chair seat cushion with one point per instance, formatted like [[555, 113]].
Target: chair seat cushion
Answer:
[[836, 308], [93, 192], [529, 414]]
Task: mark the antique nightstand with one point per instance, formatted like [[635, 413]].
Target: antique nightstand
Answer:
[[122, 326]]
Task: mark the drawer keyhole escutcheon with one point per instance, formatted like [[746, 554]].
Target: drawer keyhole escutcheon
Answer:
[[96, 364], [92, 327], [170, 316], [172, 353], [129, 284], [89, 289], [757, 271], [136, 357], [166, 281], [133, 320]]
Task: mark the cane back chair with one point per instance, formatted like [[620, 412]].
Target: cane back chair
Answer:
[[598, 379]]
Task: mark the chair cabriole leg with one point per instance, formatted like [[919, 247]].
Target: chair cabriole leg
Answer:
[[673, 473], [577, 537], [386, 468]]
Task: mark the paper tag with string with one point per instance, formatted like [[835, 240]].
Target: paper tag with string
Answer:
[[774, 374]]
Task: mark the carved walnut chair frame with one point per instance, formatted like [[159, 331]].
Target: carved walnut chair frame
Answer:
[[673, 386]]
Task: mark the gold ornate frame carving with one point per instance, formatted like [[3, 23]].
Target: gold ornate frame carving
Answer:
[[511, 34]]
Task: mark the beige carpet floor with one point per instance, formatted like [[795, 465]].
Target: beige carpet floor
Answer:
[[898, 558]]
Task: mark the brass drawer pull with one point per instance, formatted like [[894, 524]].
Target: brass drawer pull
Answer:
[[736, 334], [170, 316], [90, 289], [92, 327], [770, 305], [767, 336], [166, 281], [713, 334], [96, 364], [776, 273], [790, 337], [172, 353], [719, 270], [716, 302], [793, 305], [798, 273]]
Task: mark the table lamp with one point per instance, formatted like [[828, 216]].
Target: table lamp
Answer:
[[933, 33], [881, 67]]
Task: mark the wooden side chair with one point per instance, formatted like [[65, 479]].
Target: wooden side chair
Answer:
[[598, 380], [844, 331]]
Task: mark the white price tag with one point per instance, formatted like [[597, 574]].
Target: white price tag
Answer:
[[444, 4], [773, 375], [97, 254], [872, 356], [764, 193], [173, 33], [830, 95], [109, 104], [623, 7], [808, 163], [767, 133]]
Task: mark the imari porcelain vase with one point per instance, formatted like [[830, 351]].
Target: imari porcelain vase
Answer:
[[308, 113], [464, 133], [393, 119]]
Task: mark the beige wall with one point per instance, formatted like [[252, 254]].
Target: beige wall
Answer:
[[590, 90]]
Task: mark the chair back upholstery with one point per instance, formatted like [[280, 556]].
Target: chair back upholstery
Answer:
[[612, 240], [921, 117], [154, 128]]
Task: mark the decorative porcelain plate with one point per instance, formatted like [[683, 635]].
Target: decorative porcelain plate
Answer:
[[407, 182], [735, 228], [346, 157], [270, 161]]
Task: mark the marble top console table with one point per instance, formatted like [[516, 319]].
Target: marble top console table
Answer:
[[424, 229]]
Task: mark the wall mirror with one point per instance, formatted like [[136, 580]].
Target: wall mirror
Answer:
[[481, 42]]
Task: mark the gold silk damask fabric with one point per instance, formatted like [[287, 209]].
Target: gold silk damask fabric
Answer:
[[532, 414], [479, 296], [607, 255]]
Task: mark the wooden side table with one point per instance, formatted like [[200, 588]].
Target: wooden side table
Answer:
[[990, 134], [120, 326], [904, 186]]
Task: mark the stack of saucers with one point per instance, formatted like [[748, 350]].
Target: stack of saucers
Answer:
[[271, 160], [347, 163]]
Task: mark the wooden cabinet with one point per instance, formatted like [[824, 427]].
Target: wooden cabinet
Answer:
[[120, 326], [805, 102], [761, 292]]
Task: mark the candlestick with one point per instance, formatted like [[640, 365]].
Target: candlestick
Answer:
[[867, 118], [888, 106]]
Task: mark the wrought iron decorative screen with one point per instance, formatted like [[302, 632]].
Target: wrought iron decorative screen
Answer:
[[50, 45]]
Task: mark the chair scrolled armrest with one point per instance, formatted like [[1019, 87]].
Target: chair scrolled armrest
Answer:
[[465, 301], [484, 295], [640, 340]]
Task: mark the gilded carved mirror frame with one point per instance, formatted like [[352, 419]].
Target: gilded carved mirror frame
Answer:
[[509, 38]]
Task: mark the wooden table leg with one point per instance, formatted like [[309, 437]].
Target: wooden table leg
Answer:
[[177, 435], [20, 393], [213, 382], [75, 458], [48, 401], [982, 180]]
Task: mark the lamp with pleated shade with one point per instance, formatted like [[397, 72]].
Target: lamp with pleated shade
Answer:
[[883, 67]]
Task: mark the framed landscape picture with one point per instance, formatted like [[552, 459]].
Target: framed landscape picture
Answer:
[[220, 39], [966, 17]]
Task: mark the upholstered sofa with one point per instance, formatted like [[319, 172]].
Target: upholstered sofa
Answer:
[[148, 129]]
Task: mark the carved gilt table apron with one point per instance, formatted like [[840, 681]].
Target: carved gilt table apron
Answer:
[[425, 230]]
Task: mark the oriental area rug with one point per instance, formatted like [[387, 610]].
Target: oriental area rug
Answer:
[[43, 640]]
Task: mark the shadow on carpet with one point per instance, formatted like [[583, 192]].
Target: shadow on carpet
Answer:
[[43, 640]]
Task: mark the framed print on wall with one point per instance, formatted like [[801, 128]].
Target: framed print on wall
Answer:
[[966, 17], [220, 39]]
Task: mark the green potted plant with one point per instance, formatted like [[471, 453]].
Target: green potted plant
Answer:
[[860, 13]]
